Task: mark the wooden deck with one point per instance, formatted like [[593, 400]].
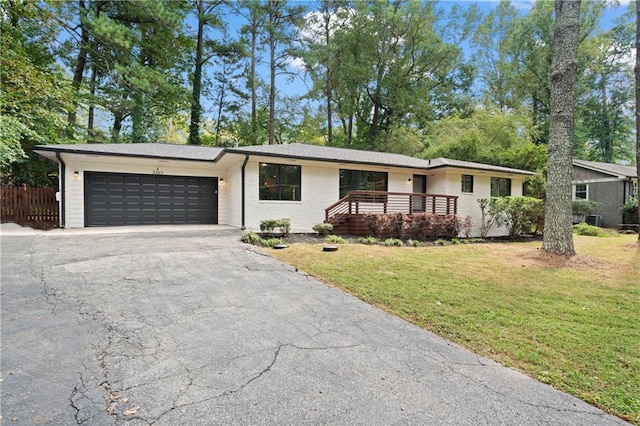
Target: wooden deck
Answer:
[[347, 214]]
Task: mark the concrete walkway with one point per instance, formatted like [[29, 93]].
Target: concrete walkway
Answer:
[[189, 326]]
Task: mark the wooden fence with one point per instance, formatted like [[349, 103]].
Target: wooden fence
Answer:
[[25, 205]]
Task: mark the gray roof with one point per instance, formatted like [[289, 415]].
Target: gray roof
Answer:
[[147, 150], [294, 150], [354, 156], [608, 168]]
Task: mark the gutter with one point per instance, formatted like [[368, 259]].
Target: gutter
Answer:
[[62, 179], [244, 165]]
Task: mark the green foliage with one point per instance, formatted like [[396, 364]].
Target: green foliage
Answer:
[[583, 207], [323, 228], [630, 211], [393, 242], [413, 243], [590, 231], [269, 226], [335, 239], [486, 136], [489, 215], [270, 242], [34, 95], [630, 206], [517, 214], [368, 240], [251, 238]]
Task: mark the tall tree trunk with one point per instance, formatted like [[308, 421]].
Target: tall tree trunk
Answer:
[[221, 97], [92, 94], [254, 87], [328, 86], [81, 61], [272, 88], [637, 73], [558, 234], [196, 107]]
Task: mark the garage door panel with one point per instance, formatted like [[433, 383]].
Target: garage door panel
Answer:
[[127, 199]]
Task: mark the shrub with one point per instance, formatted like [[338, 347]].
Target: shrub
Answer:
[[489, 215], [270, 242], [251, 238], [590, 231], [268, 226], [630, 211], [335, 239], [368, 240], [418, 226], [393, 242], [413, 243], [517, 214], [466, 225], [323, 228], [583, 207]]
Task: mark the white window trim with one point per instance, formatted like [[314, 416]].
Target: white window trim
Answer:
[[575, 187]]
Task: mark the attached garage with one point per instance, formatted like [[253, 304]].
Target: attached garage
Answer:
[[113, 199]]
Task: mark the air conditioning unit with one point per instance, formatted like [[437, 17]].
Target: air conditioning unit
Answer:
[[595, 220]]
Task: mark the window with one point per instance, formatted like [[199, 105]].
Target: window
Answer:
[[500, 187], [279, 182], [467, 183], [357, 180], [580, 192]]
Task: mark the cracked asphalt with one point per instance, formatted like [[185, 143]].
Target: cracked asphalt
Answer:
[[194, 327]]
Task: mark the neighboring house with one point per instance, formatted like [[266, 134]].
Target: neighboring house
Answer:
[[609, 185], [135, 184]]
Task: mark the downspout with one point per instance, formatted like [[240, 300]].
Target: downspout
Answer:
[[62, 179], [244, 165]]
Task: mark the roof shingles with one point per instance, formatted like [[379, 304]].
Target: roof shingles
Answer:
[[294, 150]]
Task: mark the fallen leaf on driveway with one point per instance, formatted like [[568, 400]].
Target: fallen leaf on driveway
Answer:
[[131, 411], [111, 407]]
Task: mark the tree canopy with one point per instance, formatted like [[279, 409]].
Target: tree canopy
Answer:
[[419, 78]]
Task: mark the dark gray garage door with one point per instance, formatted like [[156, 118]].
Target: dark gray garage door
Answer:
[[131, 199]]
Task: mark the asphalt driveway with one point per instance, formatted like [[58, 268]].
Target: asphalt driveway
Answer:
[[194, 327]]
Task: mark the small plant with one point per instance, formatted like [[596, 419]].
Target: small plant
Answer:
[[335, 239], [268, 226], [393, 242], [590, 231], [466, 225], [323, 228], [270, 242], [442, 242], [368, 240], [251, 238], [413, 243]]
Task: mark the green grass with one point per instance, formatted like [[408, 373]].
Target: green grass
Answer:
[[574, 324]]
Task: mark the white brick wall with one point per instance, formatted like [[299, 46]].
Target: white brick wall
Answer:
[[320, 187]]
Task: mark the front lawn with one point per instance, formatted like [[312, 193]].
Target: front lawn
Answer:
[[574, 324]]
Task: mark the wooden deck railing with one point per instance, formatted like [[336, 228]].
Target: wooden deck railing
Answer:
[[359, 202], [24, 204]]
